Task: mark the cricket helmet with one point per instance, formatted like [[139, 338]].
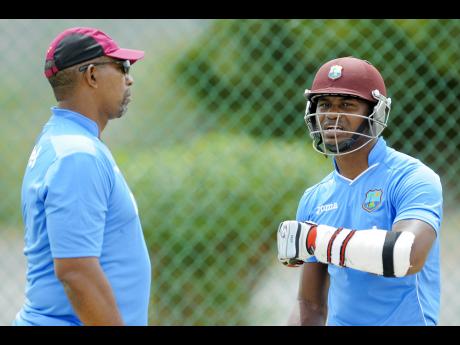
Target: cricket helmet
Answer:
[[348, 76]]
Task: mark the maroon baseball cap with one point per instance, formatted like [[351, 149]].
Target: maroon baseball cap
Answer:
[[348, 76], [76, 45]]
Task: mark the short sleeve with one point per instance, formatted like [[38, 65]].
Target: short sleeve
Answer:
[[303, 214], [418, 195], [303, 208], [76, 203]]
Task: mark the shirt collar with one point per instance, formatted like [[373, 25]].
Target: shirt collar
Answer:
[[376, 155], [378, 152], [83, 121]]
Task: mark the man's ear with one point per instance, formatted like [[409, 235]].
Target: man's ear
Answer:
[[90, 76]]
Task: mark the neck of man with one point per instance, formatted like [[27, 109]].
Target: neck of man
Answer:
[[86, 109], [353, 164]]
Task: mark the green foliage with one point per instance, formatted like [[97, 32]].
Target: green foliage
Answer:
[[256, 71], [210, 212]]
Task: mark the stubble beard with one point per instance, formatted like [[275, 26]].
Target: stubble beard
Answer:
[[124, 106]]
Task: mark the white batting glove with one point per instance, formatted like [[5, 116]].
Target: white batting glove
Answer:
[[292, 242]]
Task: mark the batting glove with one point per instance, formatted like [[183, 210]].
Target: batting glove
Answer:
[[296, 242]]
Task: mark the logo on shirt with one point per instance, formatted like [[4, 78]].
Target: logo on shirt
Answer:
[[373, 200], [327, 207], [33, 156], [134, 203]]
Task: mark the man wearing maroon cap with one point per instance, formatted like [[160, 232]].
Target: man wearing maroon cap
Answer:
[[367, 235], [87, 261]]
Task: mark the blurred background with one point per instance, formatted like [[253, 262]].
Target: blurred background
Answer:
[[215, 149]]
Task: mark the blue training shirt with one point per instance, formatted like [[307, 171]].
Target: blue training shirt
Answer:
[[76, 203], [394, 187]]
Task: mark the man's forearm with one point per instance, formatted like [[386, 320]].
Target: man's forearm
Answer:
[[88, 291], [375, 251], [305, 314], [93, 301], [312, 315]]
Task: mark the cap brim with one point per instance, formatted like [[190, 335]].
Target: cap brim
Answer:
[[127, 54]]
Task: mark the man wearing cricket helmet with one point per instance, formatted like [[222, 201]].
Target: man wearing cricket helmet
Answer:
[[366, 236]]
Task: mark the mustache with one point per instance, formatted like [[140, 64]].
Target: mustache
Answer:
[[327, 124]]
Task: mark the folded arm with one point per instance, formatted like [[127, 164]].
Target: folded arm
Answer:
[[395, 253]]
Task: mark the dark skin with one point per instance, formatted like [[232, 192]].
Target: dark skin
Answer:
[[314, 282], [101, 93], [88, 291]]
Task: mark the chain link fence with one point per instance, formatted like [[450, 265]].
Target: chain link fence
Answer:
[[215, 149]]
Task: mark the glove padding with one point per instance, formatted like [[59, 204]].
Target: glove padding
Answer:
[[292, 242]]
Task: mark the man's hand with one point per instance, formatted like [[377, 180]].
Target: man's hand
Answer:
[[296, 242]]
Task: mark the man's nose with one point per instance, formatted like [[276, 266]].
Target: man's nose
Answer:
[[129, 79], [331, 113]]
